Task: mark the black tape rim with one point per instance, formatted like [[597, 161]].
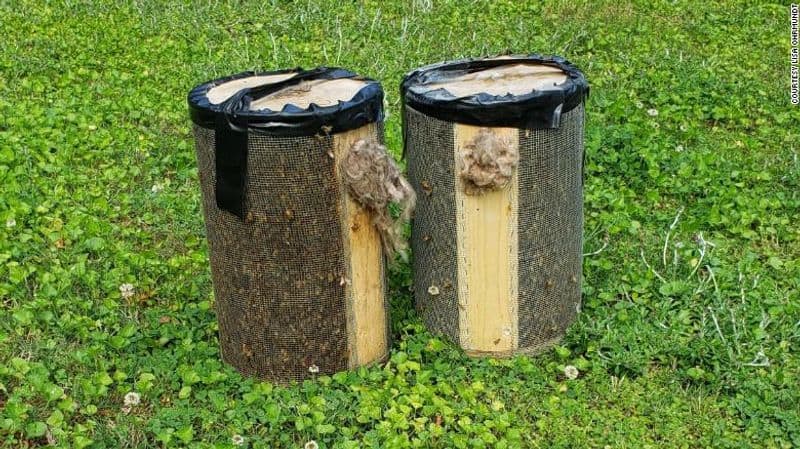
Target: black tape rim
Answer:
[[364, 108], [535, 110]]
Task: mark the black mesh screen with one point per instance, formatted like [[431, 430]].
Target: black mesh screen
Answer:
[[550, 229], [433, 240], [276, 274]]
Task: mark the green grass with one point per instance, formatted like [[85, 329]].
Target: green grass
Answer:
[[686, 341]]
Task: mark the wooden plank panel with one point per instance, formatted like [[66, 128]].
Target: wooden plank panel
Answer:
[[487, 258], [367, 332]]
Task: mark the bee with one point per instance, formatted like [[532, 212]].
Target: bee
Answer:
[[426, 186]]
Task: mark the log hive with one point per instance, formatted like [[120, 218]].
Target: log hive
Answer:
[[297, 265], [495, 152]]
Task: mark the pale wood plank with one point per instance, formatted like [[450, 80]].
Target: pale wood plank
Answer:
[[367, 332], [487, 258]]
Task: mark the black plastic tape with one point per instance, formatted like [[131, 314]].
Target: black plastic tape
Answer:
[[364, 108], [535, 110], [230, 157], [232, 121]]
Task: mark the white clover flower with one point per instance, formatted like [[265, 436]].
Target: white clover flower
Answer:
[[156, 188], [679, 148], [652, 112], [132, 399], [237, 440], [126, 290], [311, 445], [313, 369], [570, 372], [639, 104], [10, 223]]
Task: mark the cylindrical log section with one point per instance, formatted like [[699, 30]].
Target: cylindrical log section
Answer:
[[296, 263], [495, 151]]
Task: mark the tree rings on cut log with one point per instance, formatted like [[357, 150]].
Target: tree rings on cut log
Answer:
[[303, 95], [514, 79]]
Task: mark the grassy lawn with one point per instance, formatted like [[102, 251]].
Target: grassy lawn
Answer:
[[690, 329]]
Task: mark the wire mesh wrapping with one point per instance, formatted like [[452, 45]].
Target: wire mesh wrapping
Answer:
[[550, 229], [276, 274], [431, 169], [546, 202], [299, 289]]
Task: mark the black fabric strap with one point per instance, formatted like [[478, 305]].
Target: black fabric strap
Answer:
[[231, 166]]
